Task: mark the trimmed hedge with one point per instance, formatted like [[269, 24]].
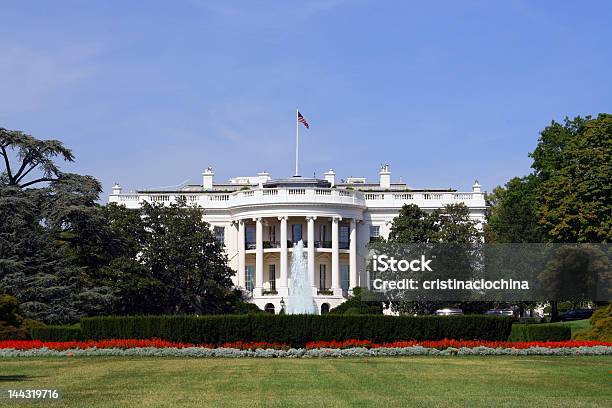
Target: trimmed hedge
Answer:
[[540, 332], [296, 330], [57, 333]]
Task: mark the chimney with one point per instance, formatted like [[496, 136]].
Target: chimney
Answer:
[[476, 187], [207, 178], [385, 176], [263, 177], [331, 177], [116, 189]]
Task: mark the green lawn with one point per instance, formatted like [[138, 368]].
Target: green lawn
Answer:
[[577, 325], [407, 381]]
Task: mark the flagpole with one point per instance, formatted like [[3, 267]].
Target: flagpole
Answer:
[[297, 141]]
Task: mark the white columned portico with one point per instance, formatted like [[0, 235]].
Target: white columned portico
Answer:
[[283, 290], [311, 250], [353, 255], [335, 261], [241, 255], [259, 257]]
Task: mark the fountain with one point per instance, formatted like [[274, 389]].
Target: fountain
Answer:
[[300, 299]]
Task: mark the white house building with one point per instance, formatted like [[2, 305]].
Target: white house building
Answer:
[[259, 219]]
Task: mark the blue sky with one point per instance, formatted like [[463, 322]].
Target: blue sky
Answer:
[[151, 93]]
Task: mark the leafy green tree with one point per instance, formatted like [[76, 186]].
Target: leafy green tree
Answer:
[[183, 254], [568, 196], [412, 225], [449, 225], [135, 289], [453, 225], [512, 216], [573, 162]]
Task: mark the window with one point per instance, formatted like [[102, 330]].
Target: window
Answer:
[[272, 276], [344, 276], [250, 277], [296, 232], [269, 308], [374, 232], [250, 236], [220, 234], [322, 277], [272, 233], [322, 233], [344, 236]]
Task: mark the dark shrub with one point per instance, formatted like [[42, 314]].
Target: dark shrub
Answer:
[[356, 306], [9, 332], [296, 330], [9, 311], [540, 332], [57, 333]]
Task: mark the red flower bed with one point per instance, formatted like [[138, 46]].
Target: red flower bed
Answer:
[[157, 343], [446, 343]]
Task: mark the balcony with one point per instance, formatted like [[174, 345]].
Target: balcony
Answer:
[[328, 244], [288, 195]]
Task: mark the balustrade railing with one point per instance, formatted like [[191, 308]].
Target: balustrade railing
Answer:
[[318, 195]]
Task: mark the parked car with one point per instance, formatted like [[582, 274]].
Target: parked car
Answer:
[[576, 314], [449, 311], [500, 312]]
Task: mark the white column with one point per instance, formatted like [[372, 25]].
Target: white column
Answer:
[[311, 250], [259, 255], [283, 290], [241, 255], [335, 285], [353, 255]]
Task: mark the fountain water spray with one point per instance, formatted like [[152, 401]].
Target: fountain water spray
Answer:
[[300, 299]]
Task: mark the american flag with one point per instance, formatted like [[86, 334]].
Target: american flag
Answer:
[[303, 121]]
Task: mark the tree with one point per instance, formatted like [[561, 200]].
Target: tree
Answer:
[[568, 196], [449, 225], [453, 225], [46, 228], [182, 253], [512, 215], [573, 162], [412, 225], [35, 157], [37, 271]]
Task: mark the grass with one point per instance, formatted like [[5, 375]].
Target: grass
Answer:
[[406, 381], [576, 325]]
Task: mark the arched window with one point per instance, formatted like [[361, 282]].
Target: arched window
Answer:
[[269, 308], [325, 308]]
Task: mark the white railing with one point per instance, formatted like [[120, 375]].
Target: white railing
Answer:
[[402, 196], [308, 196], [372, 196], [128, 197], [221, 197]]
